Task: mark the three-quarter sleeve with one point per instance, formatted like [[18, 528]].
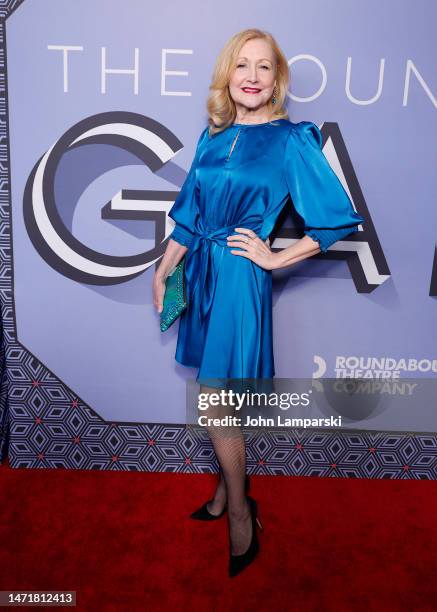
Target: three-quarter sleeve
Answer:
[[317, 193], [184, 209]]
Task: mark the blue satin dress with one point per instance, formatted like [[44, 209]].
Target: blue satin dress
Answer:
[[243, 177]]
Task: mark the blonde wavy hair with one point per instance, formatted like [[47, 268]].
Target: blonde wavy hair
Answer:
[[220, 105]]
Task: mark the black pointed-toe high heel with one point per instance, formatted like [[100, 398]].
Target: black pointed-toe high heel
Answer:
[[203, 514], [237, 563]]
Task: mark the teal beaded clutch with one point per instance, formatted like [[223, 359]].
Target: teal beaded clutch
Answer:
[[175, 298]]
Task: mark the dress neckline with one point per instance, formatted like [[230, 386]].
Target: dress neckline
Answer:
[[255, 124]]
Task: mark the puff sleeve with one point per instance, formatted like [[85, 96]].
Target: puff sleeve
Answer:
[[184, 209], [317, 193]]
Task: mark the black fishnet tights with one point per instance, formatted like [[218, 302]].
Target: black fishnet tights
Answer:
[[229, 447]]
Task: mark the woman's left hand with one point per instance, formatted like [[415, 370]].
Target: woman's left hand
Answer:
[[255, 249]]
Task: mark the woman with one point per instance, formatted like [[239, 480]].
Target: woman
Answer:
[[248, 162]]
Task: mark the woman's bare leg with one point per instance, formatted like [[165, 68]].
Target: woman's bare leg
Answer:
[[229, 447]]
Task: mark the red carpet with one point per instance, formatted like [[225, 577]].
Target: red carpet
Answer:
[[122, 541]]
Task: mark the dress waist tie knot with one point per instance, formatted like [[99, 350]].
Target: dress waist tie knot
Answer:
[[202, 268]]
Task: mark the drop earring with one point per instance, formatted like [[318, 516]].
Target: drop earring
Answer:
[[274, 95]]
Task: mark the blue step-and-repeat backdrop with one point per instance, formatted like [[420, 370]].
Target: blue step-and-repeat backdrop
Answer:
[[102, 104]]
